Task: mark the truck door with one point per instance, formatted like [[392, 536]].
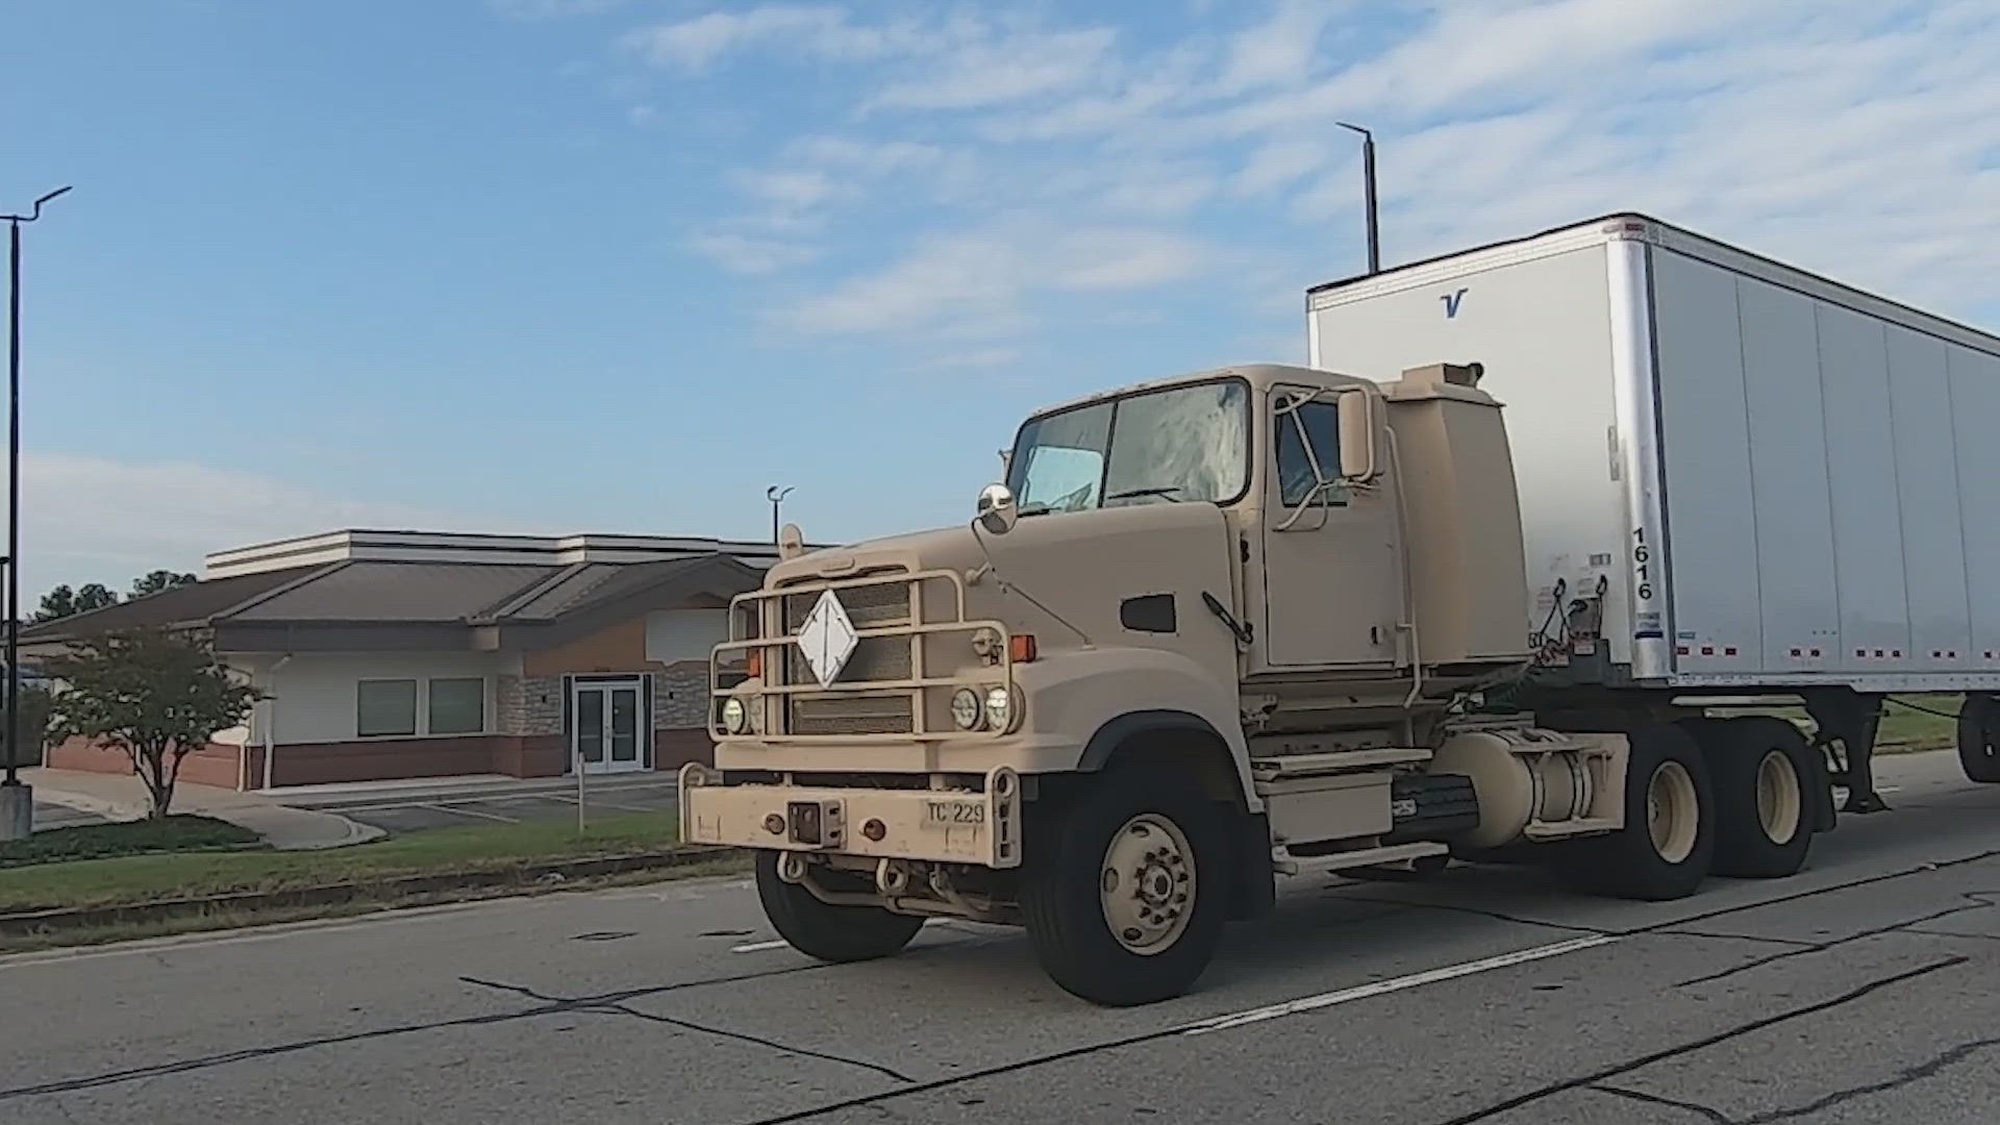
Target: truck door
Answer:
[[1333, 585]]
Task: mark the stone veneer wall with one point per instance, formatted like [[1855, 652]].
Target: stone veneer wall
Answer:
[[533, 705], [529, 705], [680, 696]]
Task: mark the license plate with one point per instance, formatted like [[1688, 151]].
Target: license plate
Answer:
[[954, 814]]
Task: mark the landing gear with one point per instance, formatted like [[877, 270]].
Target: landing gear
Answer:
[[1979, 739], [1125, 892], [821, 930], [1668, 842], [1850, 718]]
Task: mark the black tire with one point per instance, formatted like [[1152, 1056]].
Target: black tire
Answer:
[[1979, 739], [825, 932], [1627, 864], [1762, 769], [1060, 892]]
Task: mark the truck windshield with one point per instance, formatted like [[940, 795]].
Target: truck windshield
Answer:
[[1178, 444]]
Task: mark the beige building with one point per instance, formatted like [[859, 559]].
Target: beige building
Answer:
[[394, 654]]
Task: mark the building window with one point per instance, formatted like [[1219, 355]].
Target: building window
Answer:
[[458, 706], [385, 708]]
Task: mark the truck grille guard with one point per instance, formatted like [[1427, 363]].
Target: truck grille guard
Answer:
[[888, 690]]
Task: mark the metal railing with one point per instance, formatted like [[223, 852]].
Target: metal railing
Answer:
[[897, 707]]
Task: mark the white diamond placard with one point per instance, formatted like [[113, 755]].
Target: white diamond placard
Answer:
[[827, 638]]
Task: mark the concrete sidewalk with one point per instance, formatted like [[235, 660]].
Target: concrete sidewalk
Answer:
[[123, 797]]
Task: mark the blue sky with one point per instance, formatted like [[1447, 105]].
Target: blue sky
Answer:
[[617, 265]]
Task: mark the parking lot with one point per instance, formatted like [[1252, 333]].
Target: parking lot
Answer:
[[421, 811], [49, 816]]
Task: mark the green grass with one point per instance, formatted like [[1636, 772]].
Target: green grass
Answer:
[[479, 848], [139, 837], [1904, 729]]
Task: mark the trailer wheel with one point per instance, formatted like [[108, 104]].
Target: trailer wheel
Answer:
[[1124, 897], [826, 932], [1668, 842], [1979, 739], [1764, 773]]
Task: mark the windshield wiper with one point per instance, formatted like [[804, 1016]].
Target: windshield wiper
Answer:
[[1166, 490]]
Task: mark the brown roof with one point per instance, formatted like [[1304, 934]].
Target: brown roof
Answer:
[[193, 604], [396, 591], [365, 604]]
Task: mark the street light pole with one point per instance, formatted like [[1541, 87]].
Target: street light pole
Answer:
[[1368, 189], [17, 808], [776, 496]]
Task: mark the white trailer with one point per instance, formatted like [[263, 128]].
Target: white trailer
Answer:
[[1776, 482]]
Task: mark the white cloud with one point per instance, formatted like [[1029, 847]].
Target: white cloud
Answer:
[[1852, 139], [978, 283], [822, 31], [1279, 51], [94, 519], [748, 254], [984, 74], [552, 9]]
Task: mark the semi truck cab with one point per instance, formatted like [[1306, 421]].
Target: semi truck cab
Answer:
[[1209, 630]]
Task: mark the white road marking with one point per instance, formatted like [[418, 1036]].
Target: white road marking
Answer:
[[1395, 984]]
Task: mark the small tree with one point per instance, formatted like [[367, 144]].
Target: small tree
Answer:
[[155, 693], [157, 580], [64, 602]]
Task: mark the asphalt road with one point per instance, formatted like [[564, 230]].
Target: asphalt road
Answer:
[[1860, 991]]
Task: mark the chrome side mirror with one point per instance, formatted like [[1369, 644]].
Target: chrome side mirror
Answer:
[[997, 513]]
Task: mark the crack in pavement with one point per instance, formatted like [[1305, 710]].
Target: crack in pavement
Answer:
[[1454, 908], [1714, 1115], [1755, 939], [1907, 1076], [557, 1004], [247, 1054], [1677, 924], [548, 1006], [1640, 1063], [1976, 900]]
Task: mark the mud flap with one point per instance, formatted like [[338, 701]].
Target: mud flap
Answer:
[[1254, 892]]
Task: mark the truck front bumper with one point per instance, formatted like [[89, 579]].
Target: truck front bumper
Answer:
[[935, 825]]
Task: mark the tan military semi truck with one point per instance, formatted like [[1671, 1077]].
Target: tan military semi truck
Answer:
[[1470, 586]]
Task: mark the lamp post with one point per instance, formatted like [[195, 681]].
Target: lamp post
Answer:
[[1368, 188], [17, 803], [776, 496]]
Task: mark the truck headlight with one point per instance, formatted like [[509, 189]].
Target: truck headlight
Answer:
[[966, 708], [735, 716], [999, 708]]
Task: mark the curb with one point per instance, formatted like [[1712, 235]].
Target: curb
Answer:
[[388, 891]]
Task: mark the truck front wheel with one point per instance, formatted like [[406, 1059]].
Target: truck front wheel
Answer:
[[823, 931], [1125, 897]]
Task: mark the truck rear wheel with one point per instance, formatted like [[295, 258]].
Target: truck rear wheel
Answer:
[[826, 932], [1979, 739], [1668, 842], [1764, 776], [1125, 896]]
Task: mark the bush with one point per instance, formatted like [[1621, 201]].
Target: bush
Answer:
[[179, 833]]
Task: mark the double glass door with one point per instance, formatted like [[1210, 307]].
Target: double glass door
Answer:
[[607, 734]]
